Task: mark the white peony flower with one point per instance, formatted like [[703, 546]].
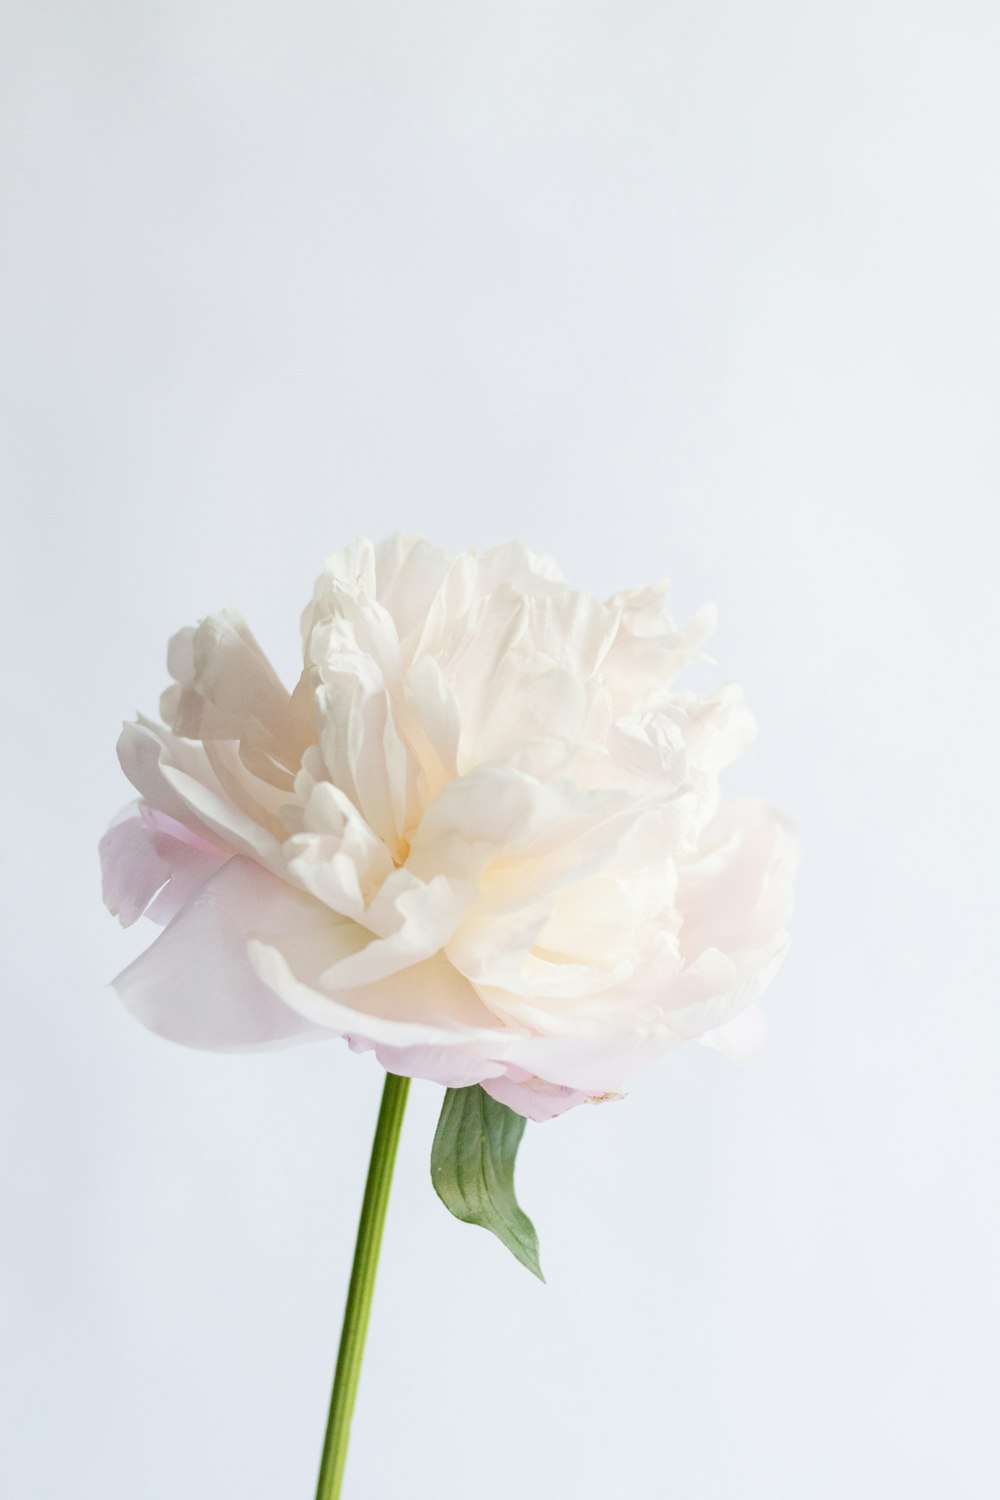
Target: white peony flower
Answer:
[[483, 835]]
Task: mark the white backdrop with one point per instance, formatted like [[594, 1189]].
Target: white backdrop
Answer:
[[705, 290]]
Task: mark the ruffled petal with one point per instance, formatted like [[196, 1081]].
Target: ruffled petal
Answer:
[[178, 777], [649, 650], [483, 837], [224, 679], [408, 921], [142, 748], [365, 754], [212, 809]]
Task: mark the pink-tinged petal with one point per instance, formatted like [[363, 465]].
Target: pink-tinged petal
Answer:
[[195, 985], [192, 858], [145, 852], [533, 1097], [591, 1065], [452, 1067], [179, 777], [132, 869]]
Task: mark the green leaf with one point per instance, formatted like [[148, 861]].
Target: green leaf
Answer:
[[472, 1169]]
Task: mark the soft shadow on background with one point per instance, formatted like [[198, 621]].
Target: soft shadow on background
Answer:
[[698, 290]]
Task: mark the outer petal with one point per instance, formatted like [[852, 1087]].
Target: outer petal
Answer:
[[195, 984], [736, 894], [177, 777], [142, 749], [732, 987], [145, 852], [649, 650], [427, 590], [590, 1065], [533, 1097], [453, 1049], [214, 811], [132, 870]]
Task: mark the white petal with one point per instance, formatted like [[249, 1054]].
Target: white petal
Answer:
[[649, 650], [337, 856], [225, 680], [213, 810], [182, 779], [409, 573], [365, 754], [141, 750], [430, 720], [412, 919], [729, 987], [428, 1005], [737, 893]]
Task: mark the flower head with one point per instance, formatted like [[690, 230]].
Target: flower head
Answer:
[[482, 836]]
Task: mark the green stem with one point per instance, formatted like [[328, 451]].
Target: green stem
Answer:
[[362, 1287]]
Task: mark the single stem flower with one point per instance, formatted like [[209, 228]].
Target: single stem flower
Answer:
[[482, 837]]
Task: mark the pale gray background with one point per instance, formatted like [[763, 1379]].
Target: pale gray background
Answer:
[[698, 289]]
